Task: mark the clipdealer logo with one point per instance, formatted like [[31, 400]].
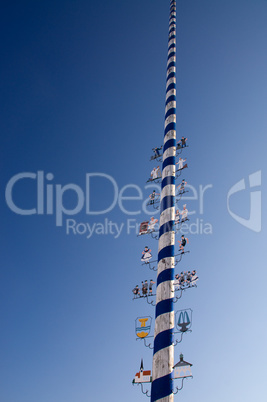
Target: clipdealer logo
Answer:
[[254, 220], [50, 201], [53, 199], [47, 192]]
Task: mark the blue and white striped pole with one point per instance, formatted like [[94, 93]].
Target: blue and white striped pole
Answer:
[[163, 358]]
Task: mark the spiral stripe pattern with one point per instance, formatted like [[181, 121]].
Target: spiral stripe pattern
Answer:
[[163, 357]]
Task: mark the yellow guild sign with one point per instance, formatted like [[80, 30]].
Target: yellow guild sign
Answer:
[[142, 326]]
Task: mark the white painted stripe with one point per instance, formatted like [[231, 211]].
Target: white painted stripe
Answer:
[[170, 93], [172, 49], [165, 263], [171, 59], [165, 290], [170, 105], [170, 81], [168, 171], [169, 398], [173, 40], [166, 217], [170, 135], [170, 119], [168, 190], [172, 69], [167, 239], [164, 362], [171, 151], [162, 322]]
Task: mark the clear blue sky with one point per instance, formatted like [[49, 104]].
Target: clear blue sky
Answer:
[[83, 91]]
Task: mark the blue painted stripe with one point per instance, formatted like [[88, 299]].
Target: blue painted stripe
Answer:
[[167, 251], [169, 73], [172, 85], [170, 98], [172, 50], [166, 227], [171, 45], [171, 55], [170, 126], [163, 340], [167, 180], [171, 64], [167, 202], [166, 275], [172, 37], [171, 40], [164, 306], [171, 30], [171, 111], [169, 143], [171, 76], [168, 161], [161, 387]]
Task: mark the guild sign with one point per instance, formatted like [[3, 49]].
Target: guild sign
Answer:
[[142, 326], [143, 228], [184, 320], [182, 369]]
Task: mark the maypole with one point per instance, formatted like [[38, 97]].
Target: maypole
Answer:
[[167, 322], [163, 357]]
